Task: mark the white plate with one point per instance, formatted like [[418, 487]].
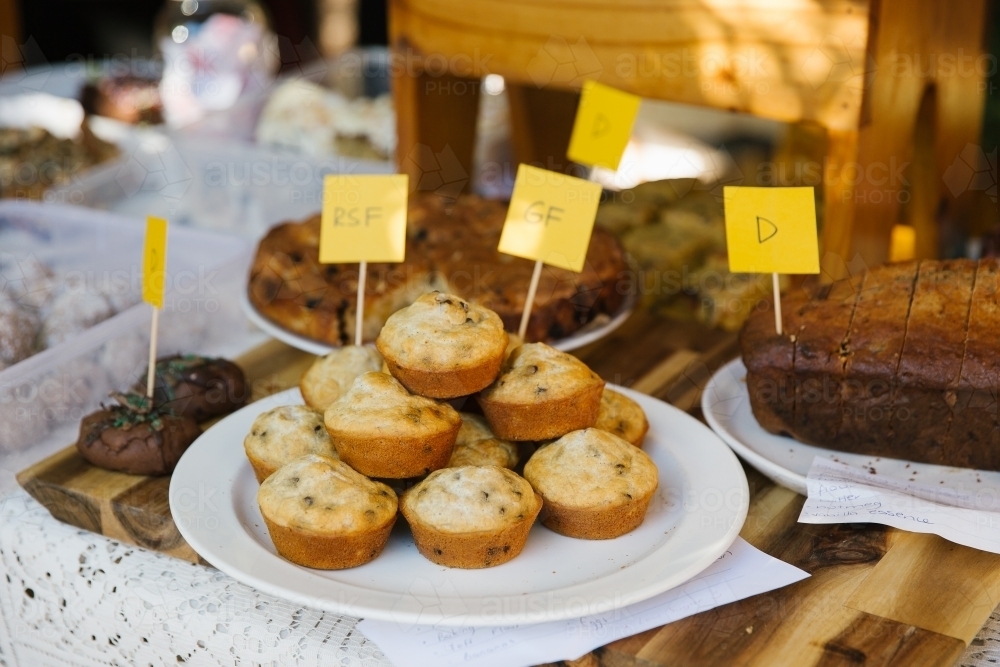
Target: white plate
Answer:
[[694, 517], [726, 405], [576, 340]]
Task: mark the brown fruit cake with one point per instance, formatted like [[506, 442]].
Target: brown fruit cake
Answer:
[[450, 248], [899, 362]]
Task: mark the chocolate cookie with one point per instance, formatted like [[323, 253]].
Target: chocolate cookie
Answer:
[[198, 387], [135, 439]]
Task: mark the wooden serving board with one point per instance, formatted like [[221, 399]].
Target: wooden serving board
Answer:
[[876, 597], [133, 508]]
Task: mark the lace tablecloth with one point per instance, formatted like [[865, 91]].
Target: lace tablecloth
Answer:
[[71, 597]]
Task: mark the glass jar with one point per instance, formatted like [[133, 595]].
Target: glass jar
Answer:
[[213, 51]]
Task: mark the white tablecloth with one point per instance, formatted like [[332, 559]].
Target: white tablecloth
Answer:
[[71, 597]]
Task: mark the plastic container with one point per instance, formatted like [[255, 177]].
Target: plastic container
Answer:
[[91, 250], [235, 39], [356, 73], [215, 184]]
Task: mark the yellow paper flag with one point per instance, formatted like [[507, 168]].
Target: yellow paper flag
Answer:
[[154, 262], [603, 125], [550, 218], [771, 230], [364, 219]]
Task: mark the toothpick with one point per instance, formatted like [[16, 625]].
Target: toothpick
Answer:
[[777, 303], [151, 375], [530, 300], [360, 313]]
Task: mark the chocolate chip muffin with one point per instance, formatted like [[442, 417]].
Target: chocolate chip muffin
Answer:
[[322, 514], [595, 485], [443, 346], [285, 434], [471, 517], [622, 416], [541, 393], [382, 430], [477, 445], [332, 375]]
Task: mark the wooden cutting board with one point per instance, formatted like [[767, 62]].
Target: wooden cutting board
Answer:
[[877, 596], [133, 508]]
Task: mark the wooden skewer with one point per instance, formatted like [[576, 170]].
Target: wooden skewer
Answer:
[[777, 303], [151, 375], [530, 300], [360, 311]]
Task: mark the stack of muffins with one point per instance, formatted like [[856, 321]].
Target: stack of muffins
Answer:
[[379, 435]]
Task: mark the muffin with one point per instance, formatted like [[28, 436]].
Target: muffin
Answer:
[[622, 416], [595, 485], [514, 341], [471, 517], [478, 446], [198, 387], [284, 434], [332, 375], [135, 438], [382, 430], [442, 346], [321, 513], [541, 393]]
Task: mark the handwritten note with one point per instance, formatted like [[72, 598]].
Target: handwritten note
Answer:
[[839, 493], [741, 572], [603, 125], [363, 219], [550, 218], [771, 230], [154, 261]]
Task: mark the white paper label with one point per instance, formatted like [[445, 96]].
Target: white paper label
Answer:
[[741, 572], [839, 493]]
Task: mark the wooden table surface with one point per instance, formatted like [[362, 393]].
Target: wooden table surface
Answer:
[[877, 596]]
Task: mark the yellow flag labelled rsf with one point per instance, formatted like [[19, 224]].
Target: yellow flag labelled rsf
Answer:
[[363, 219]]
